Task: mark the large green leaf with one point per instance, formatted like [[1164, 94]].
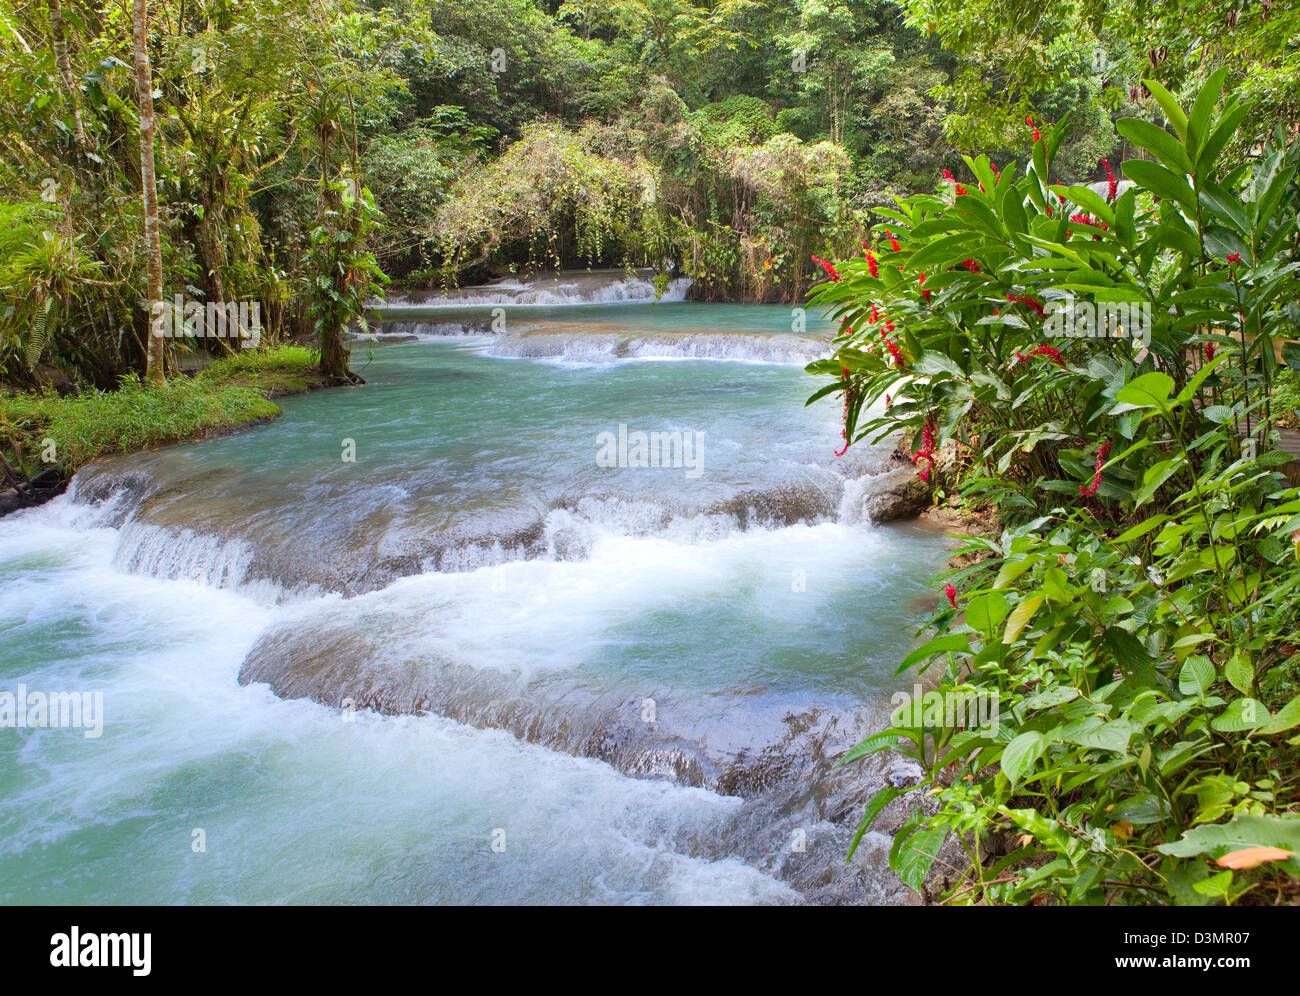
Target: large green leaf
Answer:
[[878, 802], [1241, 714], [1151, 390], [1168, 104], [1286, 718], [1198, 121], [1157, 141], [1020, 755], [1020, 616], [1155, 476], [1247, 830], [986, 612], [1195, 676], [1141, 809], [1161, 182], [948, 643], [912, 857]]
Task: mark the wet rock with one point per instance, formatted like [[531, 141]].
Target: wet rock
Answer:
[[896, 494], [782, 506], [904, 773], [35, 491]]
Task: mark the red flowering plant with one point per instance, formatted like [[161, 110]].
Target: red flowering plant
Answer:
[[1134, 618], [963, 286]]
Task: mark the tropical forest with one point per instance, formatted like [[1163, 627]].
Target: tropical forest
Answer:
[[651, 452]]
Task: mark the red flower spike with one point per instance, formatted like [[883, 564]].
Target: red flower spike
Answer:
[[848, 398], [895, 354], [872, 266], [1051, 352], [926, 450], [1032, 304], [1091, 489], [951, 593], [830, 270]]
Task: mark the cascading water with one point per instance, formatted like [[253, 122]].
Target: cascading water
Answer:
[[442, 639]]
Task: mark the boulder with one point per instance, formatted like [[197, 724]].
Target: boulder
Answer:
[[897, 494]]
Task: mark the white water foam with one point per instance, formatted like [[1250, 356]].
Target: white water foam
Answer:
[[561, 290], [286, 793], [589, 349]]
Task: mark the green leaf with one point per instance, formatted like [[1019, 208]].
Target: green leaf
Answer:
[[1161, 182], [1219, 414], [1141, 809], [911, 858], [1151, 390], [1215, 885], [1195, 676], [1241, 714], [1174, 113], [1020, 755], [1113, 736], [1141, 529], [1286, 718], [876, 742], [1049, 699], [1157, 141], [1239, 673], [986, 612], [949, 643], [1020, 617], [1199, 119], [1246, 830], [1130, 654], [1155, 476], [1291, 354], [878, 802], [1012, 569]]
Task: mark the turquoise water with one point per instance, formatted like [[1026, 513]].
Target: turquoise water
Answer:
[[627, 679]]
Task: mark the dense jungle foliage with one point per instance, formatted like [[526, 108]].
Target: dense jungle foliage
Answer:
[[1100, 366], [303, 149]]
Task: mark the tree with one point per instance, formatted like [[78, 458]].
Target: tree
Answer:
[[149, 184]]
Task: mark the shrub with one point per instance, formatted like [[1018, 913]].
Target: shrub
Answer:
[[1134, 619]]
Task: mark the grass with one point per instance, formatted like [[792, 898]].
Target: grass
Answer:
[[232, 391]]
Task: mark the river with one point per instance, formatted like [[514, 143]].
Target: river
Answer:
[[451, 637]]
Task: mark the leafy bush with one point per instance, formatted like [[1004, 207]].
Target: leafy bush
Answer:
[[1133, 621]]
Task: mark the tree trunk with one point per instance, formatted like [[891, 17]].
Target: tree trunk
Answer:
[[333, 354], [59, 34], [333, 357], [154, 372]]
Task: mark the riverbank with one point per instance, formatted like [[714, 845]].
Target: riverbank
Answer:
[[46, 438]]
